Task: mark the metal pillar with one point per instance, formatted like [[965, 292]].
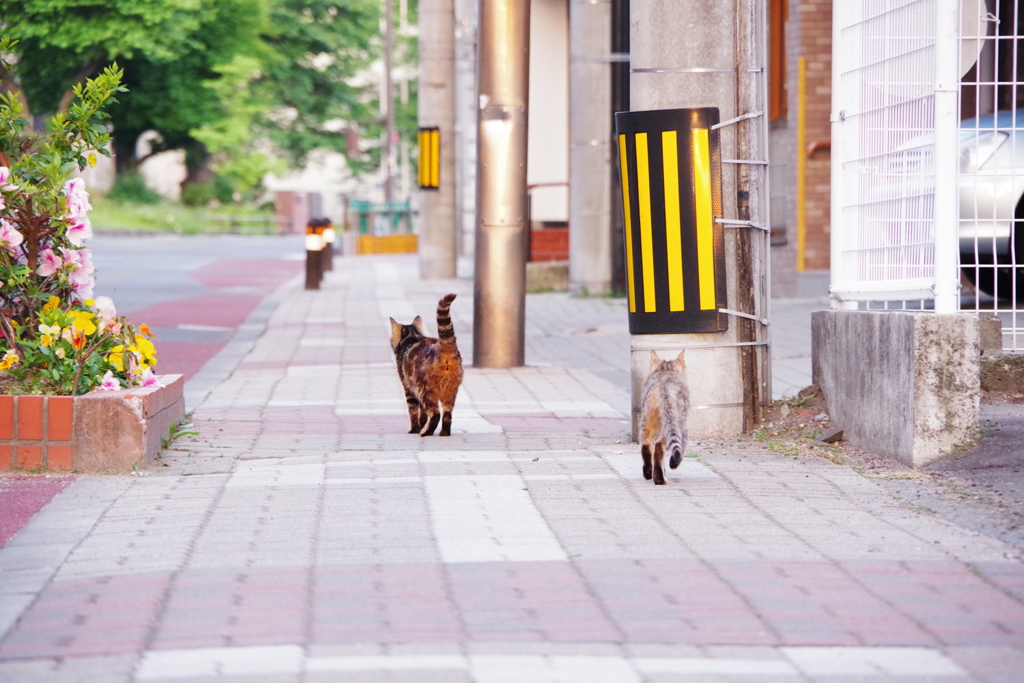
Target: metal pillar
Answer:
[[703, 71], [437, 238], [590, 153], [501, 248], [466, 106]]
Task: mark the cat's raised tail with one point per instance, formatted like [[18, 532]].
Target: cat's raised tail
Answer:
[[445, 330]]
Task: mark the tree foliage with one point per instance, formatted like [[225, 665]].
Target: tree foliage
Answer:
[[234, 83]]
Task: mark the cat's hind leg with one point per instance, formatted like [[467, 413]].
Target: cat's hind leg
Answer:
[[446, 420], [416, 414], [645, 451], [659, 456], [431, 425]]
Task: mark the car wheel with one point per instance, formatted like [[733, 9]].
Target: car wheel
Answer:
[[998, 280]]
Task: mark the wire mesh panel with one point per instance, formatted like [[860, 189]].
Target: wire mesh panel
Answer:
[[884, 183], [991, 173]]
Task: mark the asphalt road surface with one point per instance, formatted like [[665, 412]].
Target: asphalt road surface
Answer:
[[197, 293]]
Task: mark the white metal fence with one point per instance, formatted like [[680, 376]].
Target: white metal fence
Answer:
[[928, 157], [991, 164], [893, 231]]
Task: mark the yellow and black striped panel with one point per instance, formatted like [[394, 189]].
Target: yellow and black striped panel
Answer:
[[671, 170], [430, 159]]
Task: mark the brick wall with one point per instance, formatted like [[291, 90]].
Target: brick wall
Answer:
[[814, 43]]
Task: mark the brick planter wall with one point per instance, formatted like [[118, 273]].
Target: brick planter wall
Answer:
[[102, 431]]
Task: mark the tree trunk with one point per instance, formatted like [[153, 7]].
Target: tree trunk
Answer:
[[124, 151]]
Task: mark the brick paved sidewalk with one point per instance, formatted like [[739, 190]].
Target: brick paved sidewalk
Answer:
[[303, 536]]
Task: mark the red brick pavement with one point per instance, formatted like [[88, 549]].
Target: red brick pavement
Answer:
[[22, 497]]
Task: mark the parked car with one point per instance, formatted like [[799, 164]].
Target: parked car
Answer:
[[991, 204]]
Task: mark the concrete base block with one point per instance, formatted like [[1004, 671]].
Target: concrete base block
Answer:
[[905, 385]]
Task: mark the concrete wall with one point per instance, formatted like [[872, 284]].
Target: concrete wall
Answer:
[[905, 385], [548, 144]]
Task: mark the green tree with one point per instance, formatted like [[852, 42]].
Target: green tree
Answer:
[[63, 42]]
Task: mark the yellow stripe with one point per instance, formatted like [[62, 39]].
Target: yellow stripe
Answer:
[[673, 224], [423, 158], [705, 221], [624, 167], [643, 174], [435, 158]]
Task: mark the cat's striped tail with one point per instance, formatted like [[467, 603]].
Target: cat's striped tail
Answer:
[[445, 331], [675, 443]]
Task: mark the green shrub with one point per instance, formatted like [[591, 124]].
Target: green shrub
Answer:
[[130, 187], [197, 194]]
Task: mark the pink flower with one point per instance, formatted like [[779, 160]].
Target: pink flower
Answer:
[[5, 175], [148, 379], [104, 307], [84, 290], [77, 207], [79, 265], [9, 235], [49, 263], [109, 383], [77, 234]]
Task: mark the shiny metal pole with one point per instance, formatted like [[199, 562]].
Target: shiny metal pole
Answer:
[[501, 248]]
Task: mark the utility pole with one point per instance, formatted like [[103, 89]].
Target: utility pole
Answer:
[[711, 68], [590, 204], [389, 104], [499, 315], [438, 221]]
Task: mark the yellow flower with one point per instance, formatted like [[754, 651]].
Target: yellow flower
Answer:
[[116, 357], [9, 360], [92, 159], [49, 334], [83, 321], [51, 305], [145, 349]]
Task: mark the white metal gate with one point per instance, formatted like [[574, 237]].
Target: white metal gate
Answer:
[[928, 157]]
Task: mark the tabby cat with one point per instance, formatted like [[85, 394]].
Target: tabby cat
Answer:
[[430, 370], [664, 404]]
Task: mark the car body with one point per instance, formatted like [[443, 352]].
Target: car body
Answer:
[[991, 186]]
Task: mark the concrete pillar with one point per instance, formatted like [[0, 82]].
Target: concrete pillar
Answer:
[[437, 238], [499, 286], [683, 54], [590, 149], [466, 106]]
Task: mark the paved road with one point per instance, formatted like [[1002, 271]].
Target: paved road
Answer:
[[196, 293], [303, 536]]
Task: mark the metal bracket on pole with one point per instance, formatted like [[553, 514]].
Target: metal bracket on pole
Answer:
[[748, 316], [751, 115], [752, 162], [729, 223]]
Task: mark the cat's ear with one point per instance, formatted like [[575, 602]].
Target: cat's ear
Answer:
[[655, 361], [418, 324], [680, 361], [396, 331]]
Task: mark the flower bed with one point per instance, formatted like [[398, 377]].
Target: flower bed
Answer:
[[99, 432], [78, 383]]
